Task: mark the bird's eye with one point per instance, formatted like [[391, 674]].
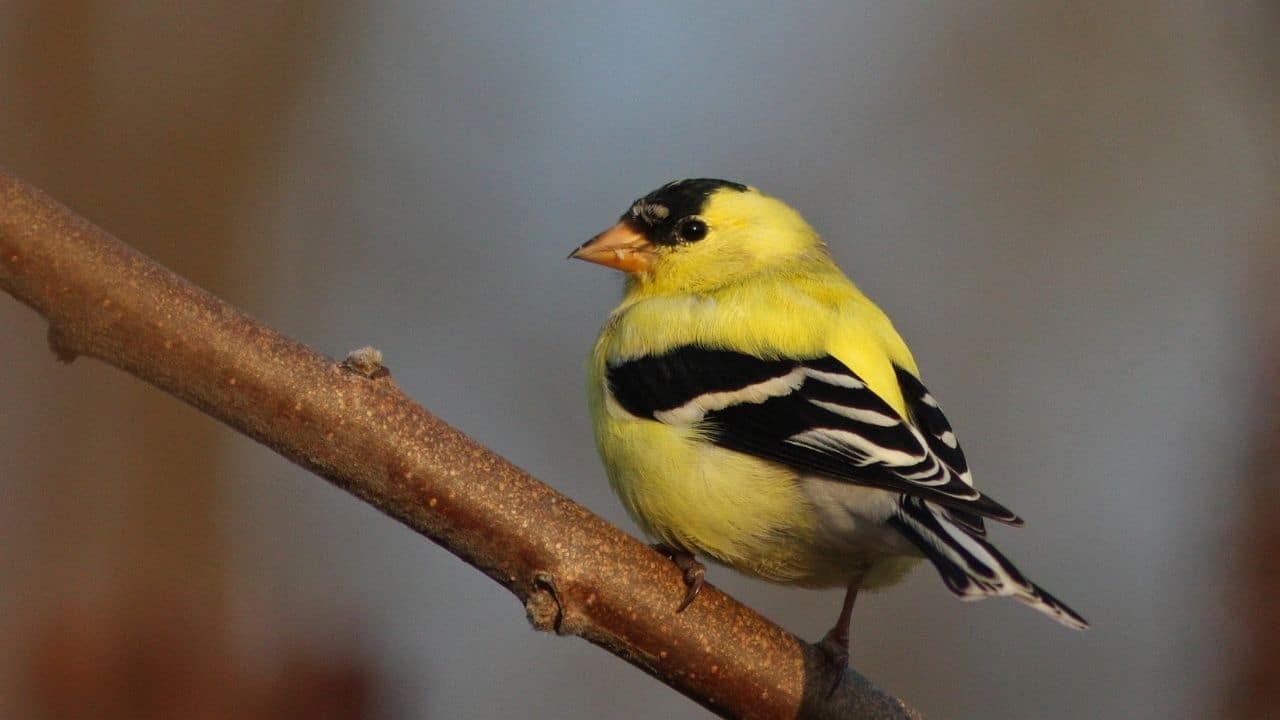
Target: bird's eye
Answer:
[[691, 229]]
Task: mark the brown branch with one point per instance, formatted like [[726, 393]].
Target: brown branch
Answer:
[[575, 573]]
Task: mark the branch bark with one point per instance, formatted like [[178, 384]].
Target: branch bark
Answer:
[[574, 573]]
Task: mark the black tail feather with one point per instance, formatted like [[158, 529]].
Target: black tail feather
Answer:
[[970, 566]]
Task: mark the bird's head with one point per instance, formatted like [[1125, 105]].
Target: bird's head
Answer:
[[696, 234]]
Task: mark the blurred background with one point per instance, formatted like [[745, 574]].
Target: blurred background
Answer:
[[1070, 211]]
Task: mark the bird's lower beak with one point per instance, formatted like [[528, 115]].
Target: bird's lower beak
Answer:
[[622, 247]]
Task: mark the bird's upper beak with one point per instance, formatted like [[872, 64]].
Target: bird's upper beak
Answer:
[[622, 247]]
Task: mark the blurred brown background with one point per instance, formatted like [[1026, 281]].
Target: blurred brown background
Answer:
[[1071, 212]]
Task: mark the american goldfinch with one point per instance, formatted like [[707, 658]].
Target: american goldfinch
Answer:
[[753, 407]]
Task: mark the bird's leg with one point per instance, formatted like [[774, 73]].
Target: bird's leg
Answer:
[[836, 642], [694, 572]]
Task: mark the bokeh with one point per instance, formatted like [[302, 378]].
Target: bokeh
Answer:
[[1070, 210]]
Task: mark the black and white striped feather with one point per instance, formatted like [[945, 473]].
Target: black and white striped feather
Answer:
[[928, 417], [954, 539], [969, 565], [814, 415], [817, 416]]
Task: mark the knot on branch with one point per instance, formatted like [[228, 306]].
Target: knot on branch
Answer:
[[542, 606], [60, 344], [366, 361]]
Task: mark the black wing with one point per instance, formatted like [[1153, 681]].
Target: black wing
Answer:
[[814, 415], [937, 432]]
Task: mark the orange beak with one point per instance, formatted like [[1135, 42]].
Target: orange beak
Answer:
[[622, 247]]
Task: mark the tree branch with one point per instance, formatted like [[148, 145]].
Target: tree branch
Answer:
[[575, 573]]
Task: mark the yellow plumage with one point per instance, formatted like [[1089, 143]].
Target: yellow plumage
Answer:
[[736, 329], [773, 292]]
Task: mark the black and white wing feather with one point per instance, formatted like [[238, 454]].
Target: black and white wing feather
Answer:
[[814, 415], [928, 417], [818, 416], [970, 566]]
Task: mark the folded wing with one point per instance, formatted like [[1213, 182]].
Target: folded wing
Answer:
[[815, 415]]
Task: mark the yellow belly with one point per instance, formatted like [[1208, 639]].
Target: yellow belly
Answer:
[[751, 515], [758, 517]]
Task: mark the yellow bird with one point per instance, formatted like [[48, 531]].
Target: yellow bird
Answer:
[[753, 407]]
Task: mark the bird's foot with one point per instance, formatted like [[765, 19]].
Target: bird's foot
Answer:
[[695, 573], [835, 645]]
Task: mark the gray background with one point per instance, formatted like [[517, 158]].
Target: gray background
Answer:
[[1062, 207]]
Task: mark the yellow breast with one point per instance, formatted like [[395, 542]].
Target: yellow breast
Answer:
[[753, 515]]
